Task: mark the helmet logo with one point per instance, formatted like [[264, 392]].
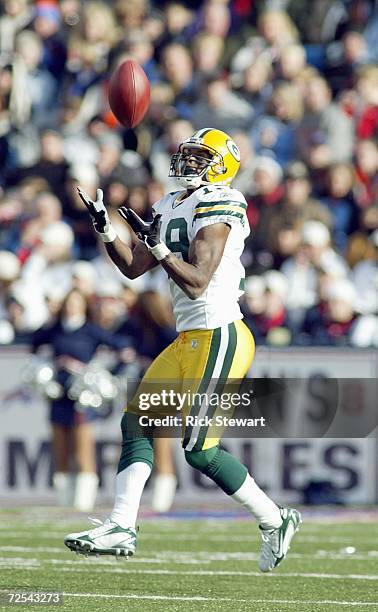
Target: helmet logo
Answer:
[[231, 146]]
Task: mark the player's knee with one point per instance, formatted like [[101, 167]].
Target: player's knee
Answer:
[[201, 460]]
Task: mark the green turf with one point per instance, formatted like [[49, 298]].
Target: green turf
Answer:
[[192, 566]]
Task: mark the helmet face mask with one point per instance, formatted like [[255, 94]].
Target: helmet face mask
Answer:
[[199, 162], [192, 163]]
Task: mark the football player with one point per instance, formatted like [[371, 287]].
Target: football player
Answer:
[[197, 235]]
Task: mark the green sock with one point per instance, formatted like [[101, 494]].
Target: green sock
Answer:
[[135, 446], [224, 469]]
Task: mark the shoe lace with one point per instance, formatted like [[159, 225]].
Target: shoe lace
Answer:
[[270, 542], [102, 526]]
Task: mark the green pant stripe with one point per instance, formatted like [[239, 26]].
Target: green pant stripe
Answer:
[[226, 367], [230, 352], [209, 369]]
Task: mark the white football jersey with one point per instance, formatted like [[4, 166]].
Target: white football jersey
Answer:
[[182, 217]]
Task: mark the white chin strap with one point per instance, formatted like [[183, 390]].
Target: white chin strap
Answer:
[[191, 182]]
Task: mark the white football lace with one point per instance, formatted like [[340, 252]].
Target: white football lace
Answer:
[[103, 526], [269, 539]]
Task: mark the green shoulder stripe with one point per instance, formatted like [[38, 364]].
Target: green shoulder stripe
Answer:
[[220, 213], [221, 203]]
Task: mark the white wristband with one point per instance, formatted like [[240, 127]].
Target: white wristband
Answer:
[[160, 251], [109, 236]]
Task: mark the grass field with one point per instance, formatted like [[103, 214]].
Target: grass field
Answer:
[[193, 566]]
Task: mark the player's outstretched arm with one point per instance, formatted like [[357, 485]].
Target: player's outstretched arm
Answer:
[[131, 262], [205, 254]]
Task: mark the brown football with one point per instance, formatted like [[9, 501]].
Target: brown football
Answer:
[[129, 93]]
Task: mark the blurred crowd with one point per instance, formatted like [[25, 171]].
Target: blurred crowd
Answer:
[[297, 88]]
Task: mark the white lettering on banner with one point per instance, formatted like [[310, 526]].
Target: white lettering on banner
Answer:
[[281, 466]]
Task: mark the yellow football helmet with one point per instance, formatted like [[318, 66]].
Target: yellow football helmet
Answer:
[[209, 157]]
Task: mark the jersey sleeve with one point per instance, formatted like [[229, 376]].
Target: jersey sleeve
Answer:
[[221, 206]]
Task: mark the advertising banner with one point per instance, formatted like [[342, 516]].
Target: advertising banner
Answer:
[[285, 466]]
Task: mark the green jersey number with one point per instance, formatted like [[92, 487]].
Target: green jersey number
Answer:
[[176, 237]]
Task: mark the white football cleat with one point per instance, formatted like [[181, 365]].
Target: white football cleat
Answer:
[[276, 542], [107, 539]]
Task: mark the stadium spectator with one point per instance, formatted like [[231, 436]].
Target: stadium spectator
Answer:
[[216, 18], [325, 134], [343, 61], [333, 321], [177, 18], [89, 46], [221, 107], [34, 81], [244, 179], [253, 83], [366, 173], [51, 261], [70, 12], [137, 46], [83, 278], [109, 163], [110, 310], [314, 256], [105, 272], [283, 223], [177, 68], [365, 333], [275, 132], [45, 210], [301, 276], [51, 165], [253, 304], [271, 325], [366, 111], [359, 14], [9, 272], [277, 28], [340, 202], [247, 68], [207, 55], [17, 15], [291, 62], [318, 240], [131, 14], [212, 18], [365, 278], [268, 192], [361, 102], [47, 25]]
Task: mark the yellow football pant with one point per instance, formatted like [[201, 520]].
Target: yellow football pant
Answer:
[[195, 362]]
